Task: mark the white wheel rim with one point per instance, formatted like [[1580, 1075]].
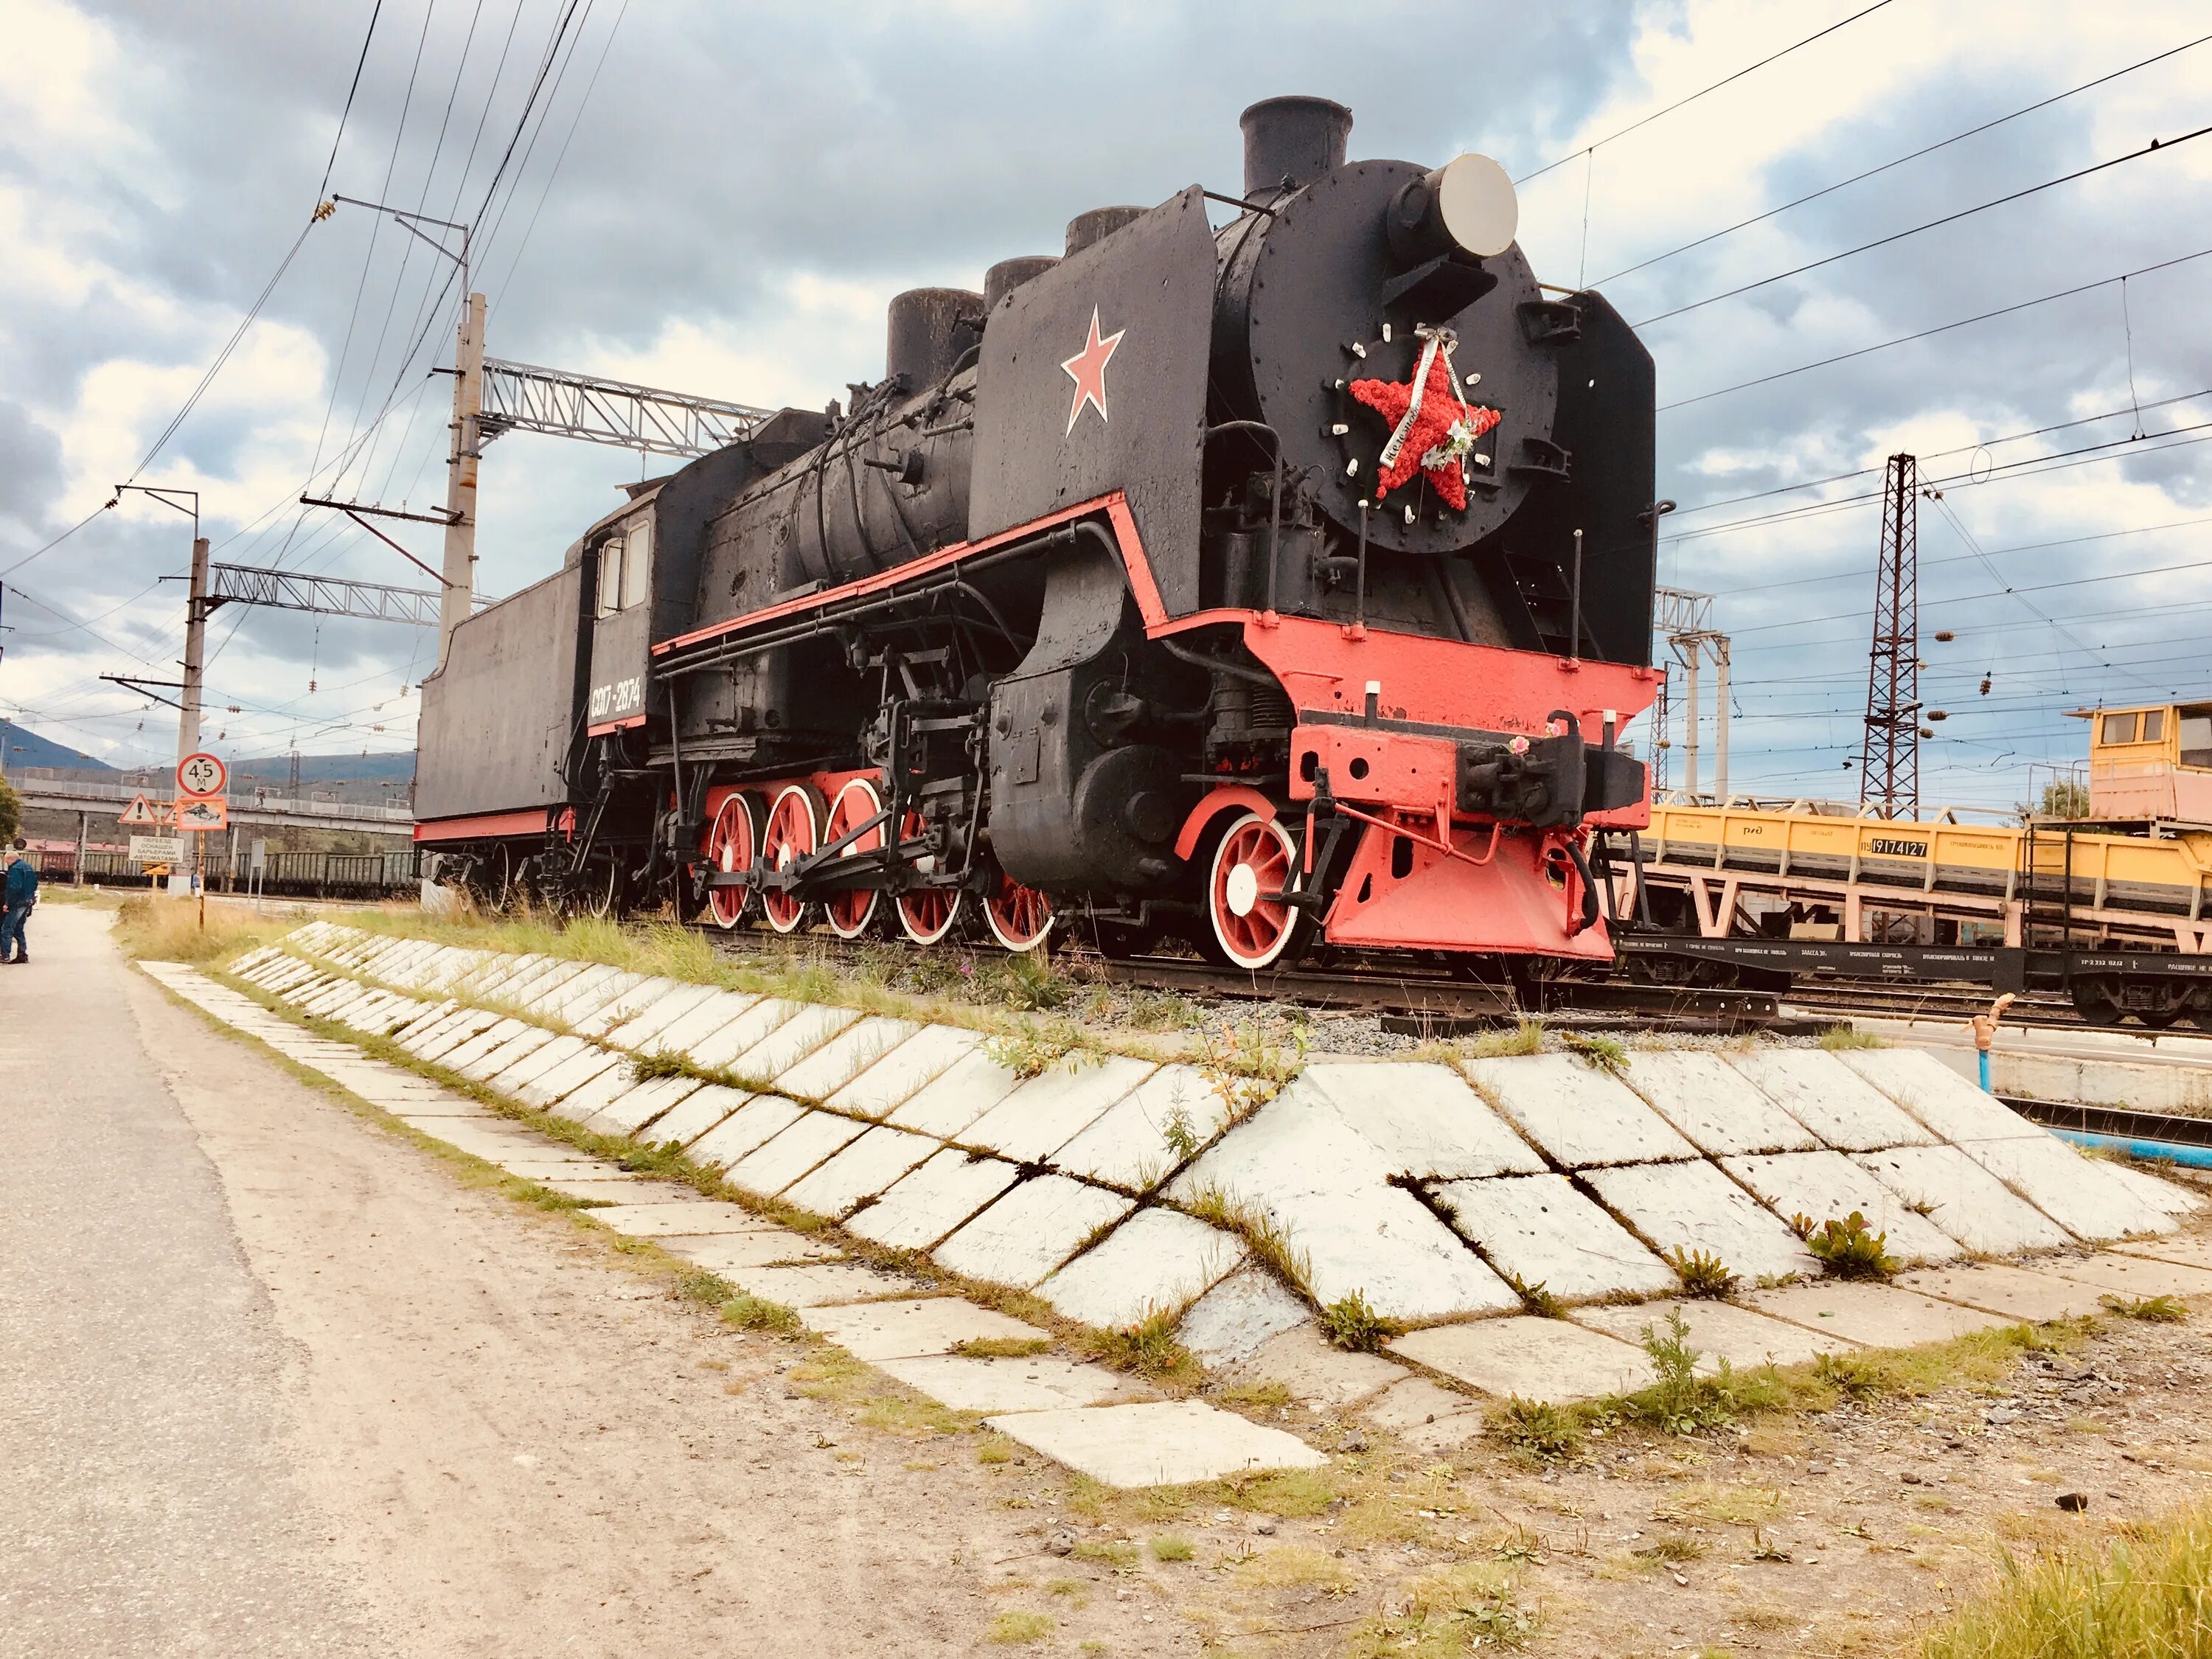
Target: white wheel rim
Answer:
[[786, 856], [725, 857], [874, 805], [1243, 889]]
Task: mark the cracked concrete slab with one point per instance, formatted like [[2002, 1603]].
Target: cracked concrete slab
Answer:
[[1743, 1337], [1165, 1443], [1874, 1316], [1539, 1229], [932, 1200], [1235, 1319], [1029, 1230], [1580, 1116], [1964, 1199], [1156, 1261], [1826, 1186], [1050, 1109], [1547, 1360], [864, 1169], [775, 1163], [968, 1088], [983, 1386], [692, 1116], [1129, 1146], [1716, 1106], [1693, 1206], [891, 1081], [1835, 1102], [878, 1331], [745, 1130]]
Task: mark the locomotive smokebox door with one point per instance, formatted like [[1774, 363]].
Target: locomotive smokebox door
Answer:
[[1093, 380]]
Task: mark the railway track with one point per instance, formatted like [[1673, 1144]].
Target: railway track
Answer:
[[1953, 1003]]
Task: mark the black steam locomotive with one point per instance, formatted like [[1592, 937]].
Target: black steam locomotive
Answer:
[[1282, 582]]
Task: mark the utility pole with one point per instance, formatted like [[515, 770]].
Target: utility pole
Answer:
[[1686, 620], [1889, 762], [196, 616], [460, 568]]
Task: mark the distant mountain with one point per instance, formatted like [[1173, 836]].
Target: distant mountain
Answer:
[[20, 746], [325, 768]]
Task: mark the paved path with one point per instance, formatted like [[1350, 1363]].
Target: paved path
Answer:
[[273, 1380]]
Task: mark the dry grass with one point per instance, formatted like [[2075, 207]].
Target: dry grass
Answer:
[[2146, 1595], [169, 930]]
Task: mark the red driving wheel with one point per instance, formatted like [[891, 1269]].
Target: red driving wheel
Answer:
[[925, 913], [848, 912], [733, 843], [1019, 916], [1255, 860], [793, 830]]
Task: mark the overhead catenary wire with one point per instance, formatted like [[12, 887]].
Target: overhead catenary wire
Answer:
[[2155, 147]]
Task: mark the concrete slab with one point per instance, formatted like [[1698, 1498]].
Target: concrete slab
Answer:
[[2023, 1293], [1547, 1360], [822, 1284], [2080, 1193], [541, 1062], [763, 1247], [1540, 1228], [1719, 1331], [861, 1044], [456, 1034], [629, 1113], [418, 1042], [705, 1019], [690, 1217], [490, 1063], [1422, 1414], [599, 1192], [774, 1164], [983, 1386], [2188, 1250], [863, 1169], [1326, 1187], [1424, 1121], [892, 1080], [692, 1116], [1954, 1109], [1964, 1199], [1165, 1443], [517, 1149], [1030, 1230], [1235, 1319], [1126, 1146], [747, 1031], [1716, 1106], [1050, 1109], [581, 994], [1693, 1206], [1313, 1372], [932, 1200], [534, 991], [1824, 1186], [1875, 1315], [970, 1086], [2167, 1196], [2132, 1275], [601, 1090], [639, 1031], [793, 1042], [745, 1131], [490, 1140], [1835, 1102], [484, 1043], [642, 993], [1580, 1116], [878, 1331], [548, 1170], [1158, 1261]]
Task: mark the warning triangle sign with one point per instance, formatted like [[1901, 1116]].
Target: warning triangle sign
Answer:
[[140, 811]]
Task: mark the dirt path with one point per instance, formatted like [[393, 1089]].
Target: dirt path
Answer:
[[492, 1437]]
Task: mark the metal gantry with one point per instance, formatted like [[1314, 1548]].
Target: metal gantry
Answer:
[[1889, 762], [524, 398], [1686, 618], [324, 596]]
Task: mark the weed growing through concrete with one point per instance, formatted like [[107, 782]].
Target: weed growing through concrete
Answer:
[[2156, 1310], [1601, 1053], [1850, 1036], [1702, 1273], [1536, 1428], [1848, 1248], [1027, 1053], [1217, 1207], [753, 1313], [1000, 1347], [1180, 1132], [1534, 1298], [1525, 1038], [1349, 1323], [1149, 1349]]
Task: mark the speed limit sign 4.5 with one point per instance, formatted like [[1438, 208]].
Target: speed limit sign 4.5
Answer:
[[201, 775]]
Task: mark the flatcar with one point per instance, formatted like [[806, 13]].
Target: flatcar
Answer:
[[1270, 584]]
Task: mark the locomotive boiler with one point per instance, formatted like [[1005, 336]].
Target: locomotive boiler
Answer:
[[1279, 581]]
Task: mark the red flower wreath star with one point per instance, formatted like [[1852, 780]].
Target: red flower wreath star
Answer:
[[1442, 431]]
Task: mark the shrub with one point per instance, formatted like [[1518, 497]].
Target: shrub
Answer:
[[1849, 1249], [752, 1313], [1602, 1053], [1534, 1298], [1348, 1323], [1149, 1349], [1536, 1427]]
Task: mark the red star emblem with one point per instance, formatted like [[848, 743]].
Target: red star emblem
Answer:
[[1441, 409], [1087, 368]]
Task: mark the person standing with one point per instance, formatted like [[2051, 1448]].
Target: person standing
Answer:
[[22, 893]]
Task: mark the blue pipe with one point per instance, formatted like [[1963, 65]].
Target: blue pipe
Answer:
[[2171, 1151]]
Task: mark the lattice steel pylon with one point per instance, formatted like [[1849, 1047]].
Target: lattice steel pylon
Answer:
[[1889, 762]]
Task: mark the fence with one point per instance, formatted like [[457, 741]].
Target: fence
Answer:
[[289, 875]]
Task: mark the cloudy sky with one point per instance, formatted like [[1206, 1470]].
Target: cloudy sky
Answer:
[[719, 197]]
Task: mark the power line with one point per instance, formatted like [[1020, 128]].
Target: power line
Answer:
[[2156, 146], [323, 190], [2025, 547], [1941, 328], [1925, 149], [1725, 80]]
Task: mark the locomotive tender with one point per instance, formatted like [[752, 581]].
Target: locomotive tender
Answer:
[[1284, 582]]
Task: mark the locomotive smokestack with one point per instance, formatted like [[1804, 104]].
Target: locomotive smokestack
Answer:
[[1290, 142], [1007, 275], [930, 327], [1085, 229]]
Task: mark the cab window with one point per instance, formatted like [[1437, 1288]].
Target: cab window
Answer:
[[2196, 737], [2154, 725], [2119, 728], [611, 575], [637, 564]]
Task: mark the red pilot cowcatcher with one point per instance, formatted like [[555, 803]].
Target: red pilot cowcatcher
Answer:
[[1434, 426]]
